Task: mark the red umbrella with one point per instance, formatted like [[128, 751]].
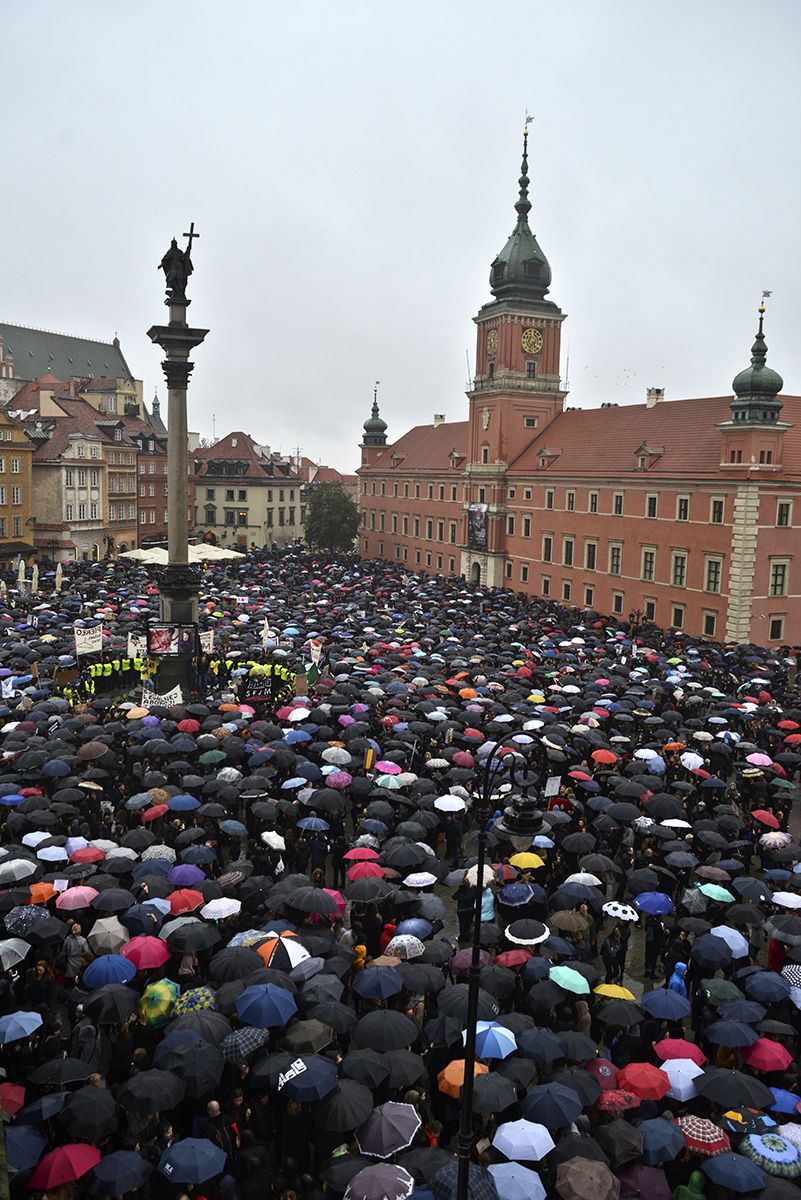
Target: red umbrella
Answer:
[[617, 1100], [185, 900], [604, 1071], [88, 854], [703, 1136], [146, 952], [604, 756], [645, 1080], [679, 1048], [513, 958], [361, 854], [766, 1055], [365, 870], [766, 818], [153, 814], [12, 1098], [188, 726], [64, 1165]]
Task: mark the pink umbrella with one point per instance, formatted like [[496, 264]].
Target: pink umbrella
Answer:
[[338, 899], [64, 1165], [145, 952], [75, 897], [338, 779], [388, 768], [760, 760], [679, 1048]]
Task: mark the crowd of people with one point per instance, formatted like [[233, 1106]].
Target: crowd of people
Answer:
[[239, 931]]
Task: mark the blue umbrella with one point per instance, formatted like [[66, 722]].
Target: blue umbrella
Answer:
[[18, 1025], [730, 1033], [152, 866], [480, 1184], [538, 967], [119, 1172], [308, 1079], [784, 1101], [742, 1010], [42, 1109], [665, 1005], [143, 918], [24, 1146], [56, 768], [108, 968], [552, 1105], [515, 1182], [767, 986], [513, 895], [654, 903], [662, 1141], [199, 855], [417, 927], [11, 800], [170, 1042], [493, 1040], [182, 803], [234, 828], [265, 1004], [314, 823], [378, 983], [194, 1160], [734, 1171]]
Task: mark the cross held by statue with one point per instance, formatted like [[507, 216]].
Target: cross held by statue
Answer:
[[191, 235]]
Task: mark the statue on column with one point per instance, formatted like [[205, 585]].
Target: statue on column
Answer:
[[177, 267]]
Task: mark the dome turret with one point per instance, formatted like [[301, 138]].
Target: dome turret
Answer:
[[521, 271], [756, 389], [375, 430]]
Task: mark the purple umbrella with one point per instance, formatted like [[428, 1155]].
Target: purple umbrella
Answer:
[[185, 874]]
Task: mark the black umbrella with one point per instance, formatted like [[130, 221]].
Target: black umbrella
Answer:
[[152, 1091], [111, 1004], [198, 1065], [367, 1067], [385, 1029], [493, 1093], [234, 962], [344, 1109], [59, 1072], [89, 1114], [119, 1172], [406, 1070], [453, 1002], [728, 1088]]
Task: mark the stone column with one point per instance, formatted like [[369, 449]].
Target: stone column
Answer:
[[178, 581]]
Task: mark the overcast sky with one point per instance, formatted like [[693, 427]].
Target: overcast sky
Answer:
[[352, 170]]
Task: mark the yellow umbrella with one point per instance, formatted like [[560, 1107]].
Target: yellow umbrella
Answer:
[[527, 859], [614, 991]]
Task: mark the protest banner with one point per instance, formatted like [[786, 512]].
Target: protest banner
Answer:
[[206, 639], [137, 645], [88, 641], [165, 700]]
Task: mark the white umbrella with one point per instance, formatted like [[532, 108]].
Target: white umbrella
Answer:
[[733, 939], [449, 804], [584, 877], [523, 1139], [681, 1072], [218, 910], [12, 951], [691, 761]]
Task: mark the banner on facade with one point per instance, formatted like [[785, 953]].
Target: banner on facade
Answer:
[[477, 526], [165, 700], [137, 645], [88, 641]]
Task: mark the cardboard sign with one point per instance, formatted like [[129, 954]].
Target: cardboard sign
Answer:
[[552, 785], [206, 639], [301, 685], [167, 700], [88, 641], [137, 645]]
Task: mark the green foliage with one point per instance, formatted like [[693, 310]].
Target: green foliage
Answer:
[[332, 518]]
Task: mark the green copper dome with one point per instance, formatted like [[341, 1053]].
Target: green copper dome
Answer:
[[521, 271], [756, 389], [375, 430]]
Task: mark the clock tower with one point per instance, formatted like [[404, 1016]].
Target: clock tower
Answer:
[[517, 390], [518, 343]]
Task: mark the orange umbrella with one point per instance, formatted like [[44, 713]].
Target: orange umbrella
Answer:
[[604, 756], [451, 1080], [41, 892]]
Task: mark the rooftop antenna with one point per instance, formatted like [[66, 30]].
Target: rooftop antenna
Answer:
[[213, 428], [469, 376], [567, 367]]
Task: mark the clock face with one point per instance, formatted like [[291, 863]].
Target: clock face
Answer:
[[492, 342], [531, 341]]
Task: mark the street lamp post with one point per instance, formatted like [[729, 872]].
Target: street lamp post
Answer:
[[635, 620], [520, 822]]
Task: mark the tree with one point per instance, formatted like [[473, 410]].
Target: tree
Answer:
[[332, 517]]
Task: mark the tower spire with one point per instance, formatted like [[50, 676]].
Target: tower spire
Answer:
[[523, 205], [756, 389], [521, 272]]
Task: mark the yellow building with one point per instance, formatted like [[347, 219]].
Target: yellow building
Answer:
[[17, 520]]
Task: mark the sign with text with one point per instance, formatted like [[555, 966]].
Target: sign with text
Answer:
[[88, 641], [162, 700]]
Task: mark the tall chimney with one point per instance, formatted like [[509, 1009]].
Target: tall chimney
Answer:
[[439, 419], [654, 396]]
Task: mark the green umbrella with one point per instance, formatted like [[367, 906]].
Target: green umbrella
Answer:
[[718, 991], [570, 980], [715, 892], [157, 1001], [212, 756]]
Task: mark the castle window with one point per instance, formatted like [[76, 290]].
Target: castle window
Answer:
[[776, 628], [710, 623], [617, 504], [531, 422], [546, 585], [524, 572], [714, 571], [531, 369], [485, 454], [617, 602], [589, 596], [783, 512], [677, 618], [778, 579], [683, 508], [716, 513]]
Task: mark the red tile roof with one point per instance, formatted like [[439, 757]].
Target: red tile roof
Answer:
[[425, 448], [585, 442]]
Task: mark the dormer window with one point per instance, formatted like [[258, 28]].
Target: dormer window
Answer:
[[117, 435]]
